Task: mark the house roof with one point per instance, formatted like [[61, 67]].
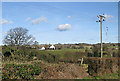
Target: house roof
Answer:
[[43, 48], [52, 46]]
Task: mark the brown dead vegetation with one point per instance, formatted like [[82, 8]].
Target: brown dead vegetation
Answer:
[[62, 71]]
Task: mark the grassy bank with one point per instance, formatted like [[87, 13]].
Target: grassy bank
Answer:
[[105, 76]]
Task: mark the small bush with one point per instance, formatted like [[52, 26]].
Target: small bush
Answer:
[[22, 71]]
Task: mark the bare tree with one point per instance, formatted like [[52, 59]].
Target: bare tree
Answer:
[[18, 36]]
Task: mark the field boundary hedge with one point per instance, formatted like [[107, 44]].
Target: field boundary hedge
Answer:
[[98, 66]]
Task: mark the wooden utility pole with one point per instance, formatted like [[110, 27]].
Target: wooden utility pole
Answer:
[[101, 38], [101, 19]]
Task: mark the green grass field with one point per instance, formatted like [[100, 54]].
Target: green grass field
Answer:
[[105, 76]]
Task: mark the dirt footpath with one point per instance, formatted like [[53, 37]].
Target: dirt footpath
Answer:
[[63, 71]]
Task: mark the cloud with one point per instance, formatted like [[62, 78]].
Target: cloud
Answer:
[[39, 20], [10, 22], [6, 32], [68, 17], [108, 17], [64, 27], [27, 19], [4, 21]]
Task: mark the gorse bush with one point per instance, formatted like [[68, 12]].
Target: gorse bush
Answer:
[[20, 71]]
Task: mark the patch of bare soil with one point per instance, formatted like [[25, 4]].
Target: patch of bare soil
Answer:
[[63, 71]]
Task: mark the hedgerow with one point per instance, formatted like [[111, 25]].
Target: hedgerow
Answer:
[[20, 71]]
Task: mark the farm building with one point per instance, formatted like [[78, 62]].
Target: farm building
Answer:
[[52, 47], [43, 48]]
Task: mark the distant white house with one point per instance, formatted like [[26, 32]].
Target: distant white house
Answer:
[[52, 47], [43, 48]]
